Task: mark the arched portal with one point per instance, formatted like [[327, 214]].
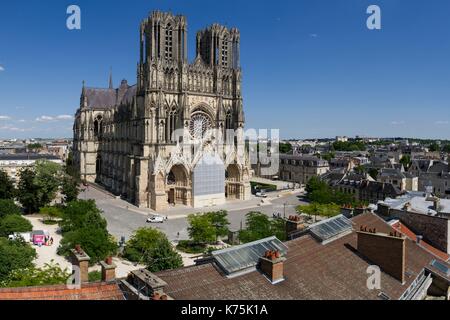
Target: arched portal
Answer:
[[232, 182], [177, 186]]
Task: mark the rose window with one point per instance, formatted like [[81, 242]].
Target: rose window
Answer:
[[200, 123]]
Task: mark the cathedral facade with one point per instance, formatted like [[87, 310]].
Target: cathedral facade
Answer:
[[175, 137]]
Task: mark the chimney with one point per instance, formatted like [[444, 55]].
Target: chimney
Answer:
[[108, 270], [436, 204], [81, 260], [386, 251], [146, 283], [294, 223], [271, 265]]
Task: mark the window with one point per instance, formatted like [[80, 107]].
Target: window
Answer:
[[225, 52], [172, 122], [169, 42]]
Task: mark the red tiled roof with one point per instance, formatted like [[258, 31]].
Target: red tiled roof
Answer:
[[333, 271], [411, 235], [89, 291]]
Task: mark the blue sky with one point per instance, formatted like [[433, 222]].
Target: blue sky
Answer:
[[311, 67]]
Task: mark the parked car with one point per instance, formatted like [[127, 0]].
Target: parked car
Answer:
[[261, 194], [155, 219]]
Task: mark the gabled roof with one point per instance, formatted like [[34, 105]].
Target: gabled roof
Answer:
[[104, 98]]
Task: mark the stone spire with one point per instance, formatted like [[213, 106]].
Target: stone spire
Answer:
[[110, 79]]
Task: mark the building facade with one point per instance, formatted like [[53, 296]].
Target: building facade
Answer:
[[300, 169], [149, 142]]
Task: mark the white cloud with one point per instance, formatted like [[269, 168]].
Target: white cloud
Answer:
[[64, 117], [54, 118], [441, 122], [398, 123], [15, 129], [44, 119], [313, 35], [5, 118], [2, 68], [22, 120]]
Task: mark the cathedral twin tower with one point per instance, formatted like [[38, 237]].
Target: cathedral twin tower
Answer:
[[124, 138]]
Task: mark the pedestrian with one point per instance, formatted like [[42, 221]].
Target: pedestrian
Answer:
[[178, 235]]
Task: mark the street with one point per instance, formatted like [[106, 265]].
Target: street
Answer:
[[124, 218]]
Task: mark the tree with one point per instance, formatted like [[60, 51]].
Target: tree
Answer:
[[349, 146], [96, 242], [70, 189], [434, 147], [7, 190], [83, 224], [50, 274], [14, 255], [34, 147], [28, 192], [80, 214], [323, 210], [47, 179], [151, 247], [406, 161], [51, 213], [259, 226], [285, 147], [373, 173], [446, 148], [14, 223], [219, 220], [201, 230], [8, 207]]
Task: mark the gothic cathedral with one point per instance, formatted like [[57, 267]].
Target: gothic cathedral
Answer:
[[159, 142]]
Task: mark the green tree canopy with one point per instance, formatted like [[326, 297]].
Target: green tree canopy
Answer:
[[50, 274], [219, 219], [151, 247], [47, 179], [285, 147], [70, 188], [96, 242], [406, 161], [8, 207], [349, 146], [83, 224], [14, 255], [324, 210], [51, 213], [80, 214], [28, 191], [14, 223], [201, 230], [259, 226], [7, 190]]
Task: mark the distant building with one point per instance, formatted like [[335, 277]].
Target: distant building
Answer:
[[14, 163], [300, 169], [425, 214], [402, 180]]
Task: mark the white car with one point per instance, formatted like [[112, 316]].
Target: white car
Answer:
[[155, 219], [261, 194]]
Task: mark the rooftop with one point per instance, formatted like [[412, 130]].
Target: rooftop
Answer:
[[312, 270]]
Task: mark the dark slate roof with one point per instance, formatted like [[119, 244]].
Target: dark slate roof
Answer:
[[380, 187], [100, 98], [438, 167], [392, 173], [27, 156], [312, 271]]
